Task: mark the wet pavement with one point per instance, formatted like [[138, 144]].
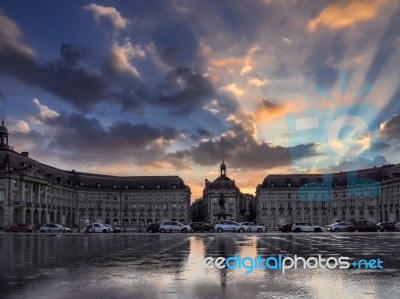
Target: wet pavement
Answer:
[[156, 266]]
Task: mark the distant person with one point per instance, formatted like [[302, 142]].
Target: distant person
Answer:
[[87, 224]]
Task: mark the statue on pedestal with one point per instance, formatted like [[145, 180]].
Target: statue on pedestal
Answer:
[[221, 202]]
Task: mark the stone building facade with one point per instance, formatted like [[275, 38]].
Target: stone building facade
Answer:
[[371, 194], [35, 193], [222, 199]]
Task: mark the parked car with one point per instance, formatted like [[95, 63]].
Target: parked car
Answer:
[[364, 226], [229, 226], [306, 227], [201, 227], [19, 228], [337, 227], [398, 226], [153, 228], [116, 229], [388, 226], [52, 228], [253, 227], [99, 228], [287, 227], [174, 226], [67, 229]]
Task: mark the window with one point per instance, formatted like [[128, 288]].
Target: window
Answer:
[[158, 186]]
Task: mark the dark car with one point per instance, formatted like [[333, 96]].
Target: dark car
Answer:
[[286, 227], [153, 228], [116, 229], [388, 226], [201, 227], [364, 226], [19, 228]]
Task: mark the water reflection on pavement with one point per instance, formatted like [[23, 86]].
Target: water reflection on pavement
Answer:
[[156, 266]]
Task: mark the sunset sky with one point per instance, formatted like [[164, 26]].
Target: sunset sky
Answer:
[[164, 87]]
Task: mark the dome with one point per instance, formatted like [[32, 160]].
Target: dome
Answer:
[[3, 129], [222, 183]]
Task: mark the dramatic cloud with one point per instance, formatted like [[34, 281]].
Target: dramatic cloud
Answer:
[[10, 36], [192, 91], [342, 14], [121, 56], [258, 82], [17, 125], [45, 112], [242, 150], [358, 163], [81, 87], [234, 89], [268, 110], [76, 137], [73, 54], [150, 91], [111, 13], [390, 129]]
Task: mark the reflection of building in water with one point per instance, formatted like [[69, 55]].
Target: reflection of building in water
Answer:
[[222, 246], [371, 194], [221, 200], [35, 193]]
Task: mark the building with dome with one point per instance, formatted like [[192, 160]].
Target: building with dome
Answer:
[[35, 193], [223, 200]]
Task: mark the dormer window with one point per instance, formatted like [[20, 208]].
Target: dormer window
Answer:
[[115, 186], [126, 187], [158, 186], [141, 186], [173, 186], [81, 184], [98, 185]]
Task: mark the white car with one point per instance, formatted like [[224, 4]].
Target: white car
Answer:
[[99, 228], [253, 227], [52, 228], [229, 226], [174, 226], [306, 227], [338, 227]]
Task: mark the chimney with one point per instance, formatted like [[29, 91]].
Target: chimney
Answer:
[[25, 154]]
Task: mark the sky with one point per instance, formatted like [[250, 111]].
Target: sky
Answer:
[[166, 87]]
